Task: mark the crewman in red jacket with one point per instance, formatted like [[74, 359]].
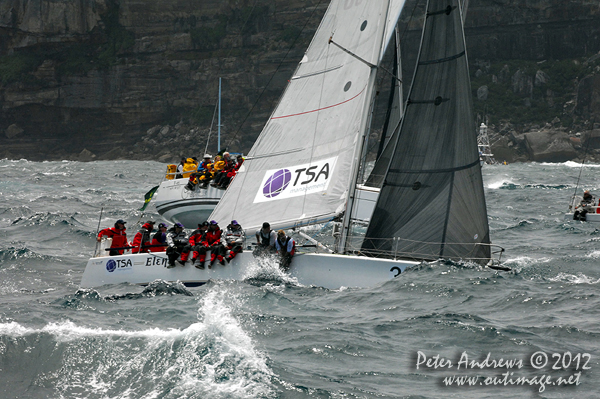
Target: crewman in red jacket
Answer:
[[142, 238], [160, 238], [198, 245], [118, 235], [213, 240]]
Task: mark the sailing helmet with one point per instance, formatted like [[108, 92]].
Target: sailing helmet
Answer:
[[161, 225], [179, 225]]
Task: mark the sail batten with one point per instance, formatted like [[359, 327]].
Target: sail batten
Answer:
[[432, 203]]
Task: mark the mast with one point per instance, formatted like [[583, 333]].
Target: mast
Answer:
[[347, 222], [219, 121]]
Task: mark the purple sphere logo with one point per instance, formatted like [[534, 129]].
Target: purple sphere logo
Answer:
[[111, 265], [277, 183]]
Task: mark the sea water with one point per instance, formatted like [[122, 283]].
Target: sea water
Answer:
[[441, 330]]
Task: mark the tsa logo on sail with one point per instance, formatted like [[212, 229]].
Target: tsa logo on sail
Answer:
[[294, 181]]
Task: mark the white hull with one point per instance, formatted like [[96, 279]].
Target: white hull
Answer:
[[189, 208], [590, 217], [176, 204], [323, 270]]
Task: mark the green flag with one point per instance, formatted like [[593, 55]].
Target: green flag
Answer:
[[148, 197]]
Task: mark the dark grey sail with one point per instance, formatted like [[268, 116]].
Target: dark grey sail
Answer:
[[392, 122], [432, 203]]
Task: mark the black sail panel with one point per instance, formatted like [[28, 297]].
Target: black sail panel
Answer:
[[432, 203]]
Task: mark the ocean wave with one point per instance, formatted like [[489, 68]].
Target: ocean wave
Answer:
[[579, 278], [266, 270], [509, 185], [213, 357], [525, 261]]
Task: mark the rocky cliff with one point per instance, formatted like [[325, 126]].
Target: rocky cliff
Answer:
[[108, 79]]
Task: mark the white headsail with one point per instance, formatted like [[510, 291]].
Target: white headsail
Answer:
[[300, 169]]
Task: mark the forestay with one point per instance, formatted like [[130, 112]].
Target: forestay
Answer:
[[432, 203], [300, 169]]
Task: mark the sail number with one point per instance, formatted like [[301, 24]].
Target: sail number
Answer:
[[397, 270]]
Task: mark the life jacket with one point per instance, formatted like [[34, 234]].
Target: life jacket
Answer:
[[203, 166], [265, 240], [171, 170], [198, 237], [189, 166], [213, 236], [177, 239], [219, 166], [283, 246], [234, 236], [235, 169]]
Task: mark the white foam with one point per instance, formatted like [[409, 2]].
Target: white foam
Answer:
[[213, 357], [494, 185], [574, 279], [268, 268], [522, 261], [593, 254], [571, 164]]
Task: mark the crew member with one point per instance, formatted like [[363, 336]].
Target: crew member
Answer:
[[265, 240], [234, 237], [585, 206], [213, 240], [286, 247], [159, 238], [142, 238], [231, 172], [177, 240], [118, 235], [179, 174], [198, 245]]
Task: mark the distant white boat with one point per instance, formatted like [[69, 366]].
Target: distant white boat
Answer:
[[574, 212]]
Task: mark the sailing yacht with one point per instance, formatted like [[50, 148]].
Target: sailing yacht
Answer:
[[428, 200], [431, 203]]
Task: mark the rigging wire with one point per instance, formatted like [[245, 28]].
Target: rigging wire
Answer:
[[221, 67], [262, 92], [580, 169], [211, 126], [235, 135]]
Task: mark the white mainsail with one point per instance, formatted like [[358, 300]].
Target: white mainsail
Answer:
[[302, 165]]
